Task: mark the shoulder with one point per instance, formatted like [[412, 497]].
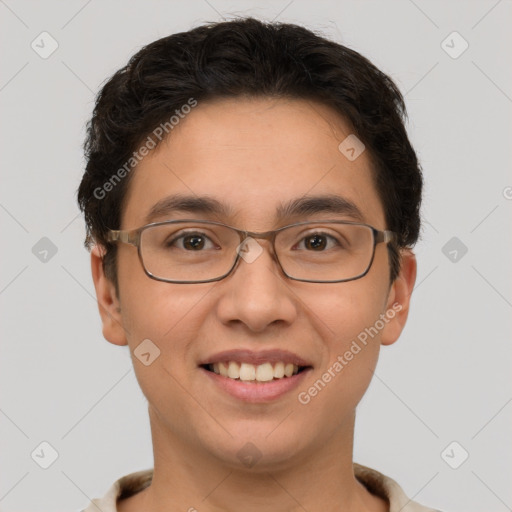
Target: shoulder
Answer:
[[124, 487], [387, 488]]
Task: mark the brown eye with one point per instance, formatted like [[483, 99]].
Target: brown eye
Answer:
[[315, 242], [193, 242]]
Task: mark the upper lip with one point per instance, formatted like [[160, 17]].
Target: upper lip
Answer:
[[255, 358]]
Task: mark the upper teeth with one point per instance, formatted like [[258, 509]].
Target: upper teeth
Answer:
[[246, 371]]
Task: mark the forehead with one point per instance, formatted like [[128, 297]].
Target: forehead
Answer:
[[255, 156]]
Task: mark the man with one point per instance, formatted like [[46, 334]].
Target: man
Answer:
[[252, 201]]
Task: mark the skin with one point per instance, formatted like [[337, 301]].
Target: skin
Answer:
[[252, 154]]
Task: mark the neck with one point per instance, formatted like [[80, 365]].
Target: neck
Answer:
[[188, 478]]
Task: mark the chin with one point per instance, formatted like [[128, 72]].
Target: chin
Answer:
[[259, 449]]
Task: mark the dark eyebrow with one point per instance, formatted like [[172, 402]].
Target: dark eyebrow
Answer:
[[301, 207], [190, 204], [309, 205]]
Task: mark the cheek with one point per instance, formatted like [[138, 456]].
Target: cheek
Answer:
[[344, 321], [162, 324], [345, 318], [342, 311], [169, 314]]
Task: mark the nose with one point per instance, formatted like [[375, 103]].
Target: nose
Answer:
[[256, 293]]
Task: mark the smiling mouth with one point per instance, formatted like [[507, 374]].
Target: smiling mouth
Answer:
[[248, 372]]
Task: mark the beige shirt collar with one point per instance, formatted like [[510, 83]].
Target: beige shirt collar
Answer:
[[375, 482]]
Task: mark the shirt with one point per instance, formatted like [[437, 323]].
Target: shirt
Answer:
[[375, 482]]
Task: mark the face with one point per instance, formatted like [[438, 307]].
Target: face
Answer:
[[253, 156]]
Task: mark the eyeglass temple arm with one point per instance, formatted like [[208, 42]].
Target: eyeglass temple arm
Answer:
[[127, 237], [385, 236]]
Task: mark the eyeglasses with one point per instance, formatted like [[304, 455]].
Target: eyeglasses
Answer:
[[202, 251]]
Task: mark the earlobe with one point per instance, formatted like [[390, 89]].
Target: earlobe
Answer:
[[108, 302], [399, 298]]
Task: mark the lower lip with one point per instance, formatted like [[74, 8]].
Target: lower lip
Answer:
[[259, 391]]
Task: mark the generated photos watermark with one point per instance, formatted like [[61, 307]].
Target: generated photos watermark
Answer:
[[157, 135], [344, 359]]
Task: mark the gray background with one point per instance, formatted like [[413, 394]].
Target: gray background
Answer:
[[447, 379]]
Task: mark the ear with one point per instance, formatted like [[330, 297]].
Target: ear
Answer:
[[108, 302], [399, 298]]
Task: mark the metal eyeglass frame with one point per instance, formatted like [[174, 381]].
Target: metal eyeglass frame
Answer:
[[133, 237]]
